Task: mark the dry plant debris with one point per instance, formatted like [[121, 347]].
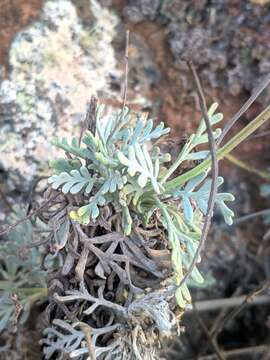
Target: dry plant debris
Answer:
[[123, 241]]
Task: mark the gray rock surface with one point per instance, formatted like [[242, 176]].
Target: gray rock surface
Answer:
[[139, 10], [56, 65], [228, 41]]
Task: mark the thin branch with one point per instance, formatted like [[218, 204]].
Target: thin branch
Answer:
[[251, 216], [235, 301], [263, 174], [260, 134], [89, 122], [126, 71], [214, 169], [87, 330], [248, 299], [213, 341], [32, 213], [244, 108], [238, 352], [116, 127], [5, 200], [223, 151], [222, 313]]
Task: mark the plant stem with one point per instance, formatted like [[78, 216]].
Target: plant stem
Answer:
[[7, 286], [223, 151], [214, 171], [250, 216], [263, 174], [186, 149], [41, 295]]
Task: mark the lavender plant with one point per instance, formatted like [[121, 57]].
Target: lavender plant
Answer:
[[20, 275], [126, 234]]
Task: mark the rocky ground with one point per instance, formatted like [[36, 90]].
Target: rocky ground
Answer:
[[41, 96]]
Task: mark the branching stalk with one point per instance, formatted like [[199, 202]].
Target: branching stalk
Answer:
[[214, 168], [222, 152], [262, 174]]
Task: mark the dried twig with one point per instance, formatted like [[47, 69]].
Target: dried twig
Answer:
[[90, 118], [219, 317], [251, 169], [238, 352], [32, 213], [260, 134], [251, 216], [248, 299], [87, 330], [126, 71], [214, 305], [213, 341], [214, 168], [5, 200], [125, 86], [18, 309], [244, 108]]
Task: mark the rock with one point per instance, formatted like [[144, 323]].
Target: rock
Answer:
[[56, 65], [7, 92], [139, 10], [227, 41]]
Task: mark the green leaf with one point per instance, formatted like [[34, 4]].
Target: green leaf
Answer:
[[214, 119], [126, 221], [64, 165], [143, 133], [74, 148], [74, 181], [139, 161], [200, 197]]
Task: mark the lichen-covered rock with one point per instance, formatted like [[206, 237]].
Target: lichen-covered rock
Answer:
[[227, 40], [56, 65], [138, 10]]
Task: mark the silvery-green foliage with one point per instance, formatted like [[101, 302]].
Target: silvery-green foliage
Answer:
[[74, 148], [65, 338], [192, 193], [74, 181], [143, 133], [64, 165], [189, 150], [68, 338], [184, 240], [184, 228], [119, 165], [115, 155], [20, 272], [139, 162]]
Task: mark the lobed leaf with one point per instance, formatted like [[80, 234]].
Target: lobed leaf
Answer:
[[74, 181]]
